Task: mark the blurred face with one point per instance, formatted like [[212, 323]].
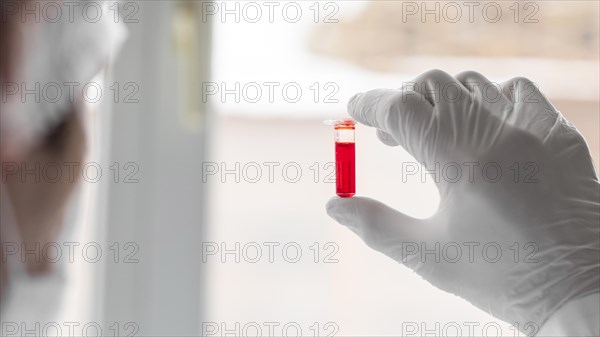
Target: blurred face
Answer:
[[38, 206]]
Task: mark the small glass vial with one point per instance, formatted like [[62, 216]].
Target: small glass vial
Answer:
[[345, 157]]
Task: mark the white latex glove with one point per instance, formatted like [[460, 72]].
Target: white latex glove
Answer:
[[553, 216]]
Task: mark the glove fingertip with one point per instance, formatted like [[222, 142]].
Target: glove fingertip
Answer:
[[386, 138], [331, 204], [342, 210], [352, 102]]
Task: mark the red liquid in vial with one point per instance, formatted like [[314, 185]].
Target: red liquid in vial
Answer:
[[345, 169]]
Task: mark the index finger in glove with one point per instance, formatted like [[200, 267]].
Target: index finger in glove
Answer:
[[402, 115]]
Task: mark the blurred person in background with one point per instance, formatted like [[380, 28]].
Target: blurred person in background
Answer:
[[34, 133]]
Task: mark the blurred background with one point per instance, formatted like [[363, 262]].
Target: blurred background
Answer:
[[230, 153]]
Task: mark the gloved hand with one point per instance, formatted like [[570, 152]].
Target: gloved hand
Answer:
[[544, 221]]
